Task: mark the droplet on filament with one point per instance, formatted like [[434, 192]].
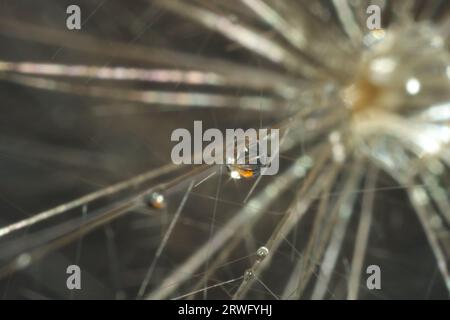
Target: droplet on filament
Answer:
[[262, 252], [238, 171], [156, 200]]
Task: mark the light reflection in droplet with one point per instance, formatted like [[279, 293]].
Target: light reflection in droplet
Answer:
[[413, 86]]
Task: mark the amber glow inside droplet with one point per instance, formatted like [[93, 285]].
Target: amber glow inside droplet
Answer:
[[238, 172], [157, 201], [158, 205], [244, 173]]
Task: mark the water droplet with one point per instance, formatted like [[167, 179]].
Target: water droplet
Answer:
[[156, 200], [262, 252], [249, 275], [246, 163], [245, 171]]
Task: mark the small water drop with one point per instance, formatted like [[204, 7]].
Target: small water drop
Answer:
[[246, 171], [249, 275], [246, 163], [156, 200], [262, 252]]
